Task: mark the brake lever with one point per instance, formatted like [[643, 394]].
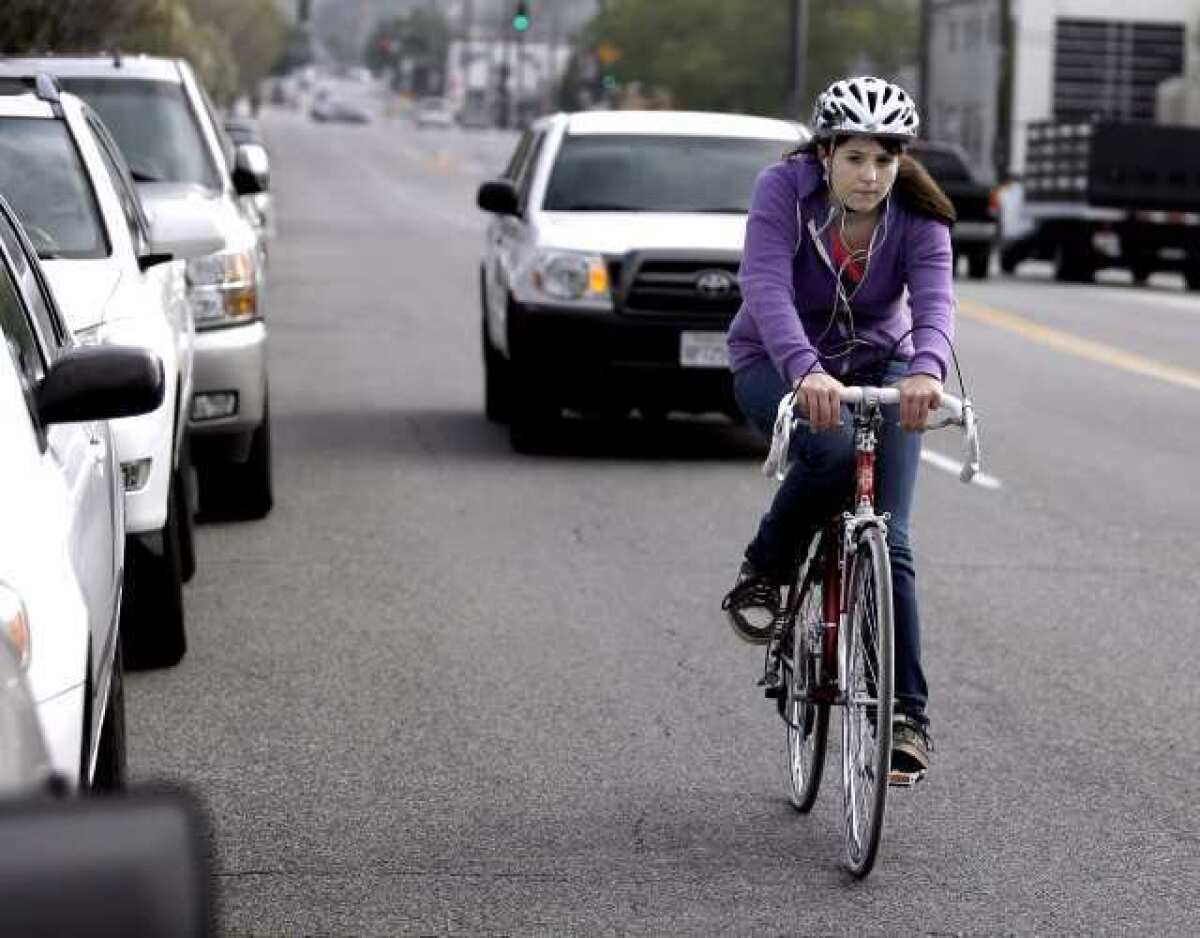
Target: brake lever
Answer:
[[974, 458]]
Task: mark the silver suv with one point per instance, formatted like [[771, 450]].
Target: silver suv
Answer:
[[167, 129]]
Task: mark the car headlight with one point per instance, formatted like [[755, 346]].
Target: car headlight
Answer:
[[14, 624], [567, 275], [223, 288]]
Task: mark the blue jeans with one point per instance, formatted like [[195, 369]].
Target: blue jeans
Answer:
[[818, 481]]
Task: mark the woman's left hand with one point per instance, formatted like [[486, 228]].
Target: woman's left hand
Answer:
[[919, 394]]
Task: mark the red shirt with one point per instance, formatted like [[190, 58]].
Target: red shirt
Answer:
[[853, 271]]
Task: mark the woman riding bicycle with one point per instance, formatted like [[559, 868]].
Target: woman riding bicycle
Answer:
[[846, 279]]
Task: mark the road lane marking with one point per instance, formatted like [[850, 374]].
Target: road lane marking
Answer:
[[946, 464], [1080, 347]]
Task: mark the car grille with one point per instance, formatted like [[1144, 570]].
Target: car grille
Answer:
[[691, 287]]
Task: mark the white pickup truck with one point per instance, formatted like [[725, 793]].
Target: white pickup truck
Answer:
[[609, 275]]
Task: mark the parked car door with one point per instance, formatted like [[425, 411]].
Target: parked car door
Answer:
[[79, 453]]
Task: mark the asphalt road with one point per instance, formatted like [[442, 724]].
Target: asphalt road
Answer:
[[448, 690]]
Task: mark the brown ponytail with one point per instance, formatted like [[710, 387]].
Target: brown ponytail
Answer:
[[917, 191]]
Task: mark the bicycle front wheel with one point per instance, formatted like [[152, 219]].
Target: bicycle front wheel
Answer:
[[807, 721], [867, 677]]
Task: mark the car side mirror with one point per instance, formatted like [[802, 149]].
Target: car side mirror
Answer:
[[100, 382], [133, 864], [498, 196], [251, 169], [180, 233]]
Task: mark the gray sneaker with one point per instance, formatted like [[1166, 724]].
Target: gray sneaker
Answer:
[[911, 745], [753, 605]]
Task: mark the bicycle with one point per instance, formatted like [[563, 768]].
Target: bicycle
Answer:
[[832, 643]]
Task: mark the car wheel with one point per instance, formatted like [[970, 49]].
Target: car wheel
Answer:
[[977, 264], [111, 771], [152, 626], [242, 491], [531, 416], [496, 392], [186, 510]]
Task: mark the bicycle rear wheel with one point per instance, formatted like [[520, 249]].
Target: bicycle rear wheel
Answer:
[[867, 673], [807, 722]]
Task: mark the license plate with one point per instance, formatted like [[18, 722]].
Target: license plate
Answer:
[[703, 350]]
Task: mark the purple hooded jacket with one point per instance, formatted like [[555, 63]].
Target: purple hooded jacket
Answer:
[[787, 282]]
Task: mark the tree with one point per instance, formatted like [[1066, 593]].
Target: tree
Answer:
[[422, 37], [231, 43], [732, 55]]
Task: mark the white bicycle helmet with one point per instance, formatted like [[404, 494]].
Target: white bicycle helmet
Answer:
[[865, 105]]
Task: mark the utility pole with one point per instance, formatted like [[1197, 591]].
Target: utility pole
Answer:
[[798, 56]]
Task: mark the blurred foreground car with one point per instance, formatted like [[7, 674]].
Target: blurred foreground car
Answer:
[[977, 230], [119, 280], [63, 538], [433, 112], [609, 276], [168, 131], [114, 867]]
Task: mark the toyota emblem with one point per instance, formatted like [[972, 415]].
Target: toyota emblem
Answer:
[[715, 284]]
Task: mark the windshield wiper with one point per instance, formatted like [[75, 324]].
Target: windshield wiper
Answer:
[[142, 176]]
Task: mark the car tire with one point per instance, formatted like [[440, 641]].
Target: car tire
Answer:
[[111, 766], [531, 416], [242, 491], [187, 518], [496, 381], [978, 262], [1191, 275], [152, 620]]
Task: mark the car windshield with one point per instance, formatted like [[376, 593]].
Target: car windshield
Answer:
[[943, 165], [154, 126], [647, 173], [43, 179]]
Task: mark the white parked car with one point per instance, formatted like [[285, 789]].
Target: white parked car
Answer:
[[63, 538], [168, 130], [119, 279], [609, 275]]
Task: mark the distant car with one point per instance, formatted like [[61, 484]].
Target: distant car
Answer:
[[167, 129], [119, 280], [433, 112], [977, 230], [609, 275], [336, 109], [62, 544]]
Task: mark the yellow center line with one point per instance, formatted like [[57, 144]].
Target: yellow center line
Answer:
[[1081, 348]]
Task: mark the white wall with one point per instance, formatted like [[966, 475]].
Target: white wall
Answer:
[[1034, 48]]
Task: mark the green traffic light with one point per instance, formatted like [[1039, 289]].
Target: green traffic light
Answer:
[[520, 22]]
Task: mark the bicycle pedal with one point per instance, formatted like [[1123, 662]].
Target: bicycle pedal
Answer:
[[773, 693], [904, 779]]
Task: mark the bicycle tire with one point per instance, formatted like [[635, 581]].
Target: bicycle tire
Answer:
[[867, 663], [807, 722]]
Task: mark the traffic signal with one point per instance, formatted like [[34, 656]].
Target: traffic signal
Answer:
[[520, 20]]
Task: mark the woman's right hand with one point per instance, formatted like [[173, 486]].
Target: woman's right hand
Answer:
[[819, 399]]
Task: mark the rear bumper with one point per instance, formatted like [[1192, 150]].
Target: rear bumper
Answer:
[[607, 359], [975, 233]]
